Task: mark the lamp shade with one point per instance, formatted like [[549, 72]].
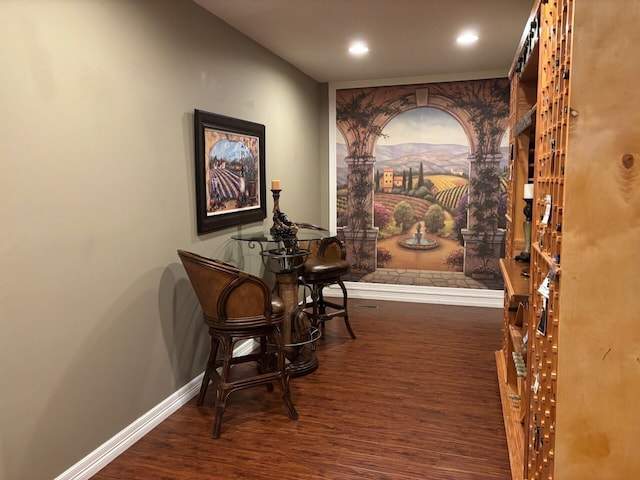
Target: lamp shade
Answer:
[[528, 191]]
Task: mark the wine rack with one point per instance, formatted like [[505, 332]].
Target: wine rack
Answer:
[[575, 112], [549, 168]]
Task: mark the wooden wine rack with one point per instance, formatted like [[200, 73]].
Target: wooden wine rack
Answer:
[[551, 149], [512, 358], [574, 414]]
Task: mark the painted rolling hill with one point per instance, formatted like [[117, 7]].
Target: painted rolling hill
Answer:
[[436, 158]]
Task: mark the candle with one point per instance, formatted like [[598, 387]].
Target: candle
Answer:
[[528, 191], [275, 185]]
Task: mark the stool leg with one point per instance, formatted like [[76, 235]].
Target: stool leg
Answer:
[[211, 367], [346, 311], [284, 376], [264, 365], [315, 312], [221, 391], [322, 308]]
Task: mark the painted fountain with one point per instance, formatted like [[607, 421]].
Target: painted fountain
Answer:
[[418, 241]]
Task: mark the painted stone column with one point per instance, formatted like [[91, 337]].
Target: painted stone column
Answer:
[[483, 240], [360, 235]]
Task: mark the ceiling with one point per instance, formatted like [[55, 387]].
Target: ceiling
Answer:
[[406, 38]]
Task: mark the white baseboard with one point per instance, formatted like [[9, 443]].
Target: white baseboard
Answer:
[[109, 450], [470, 297]]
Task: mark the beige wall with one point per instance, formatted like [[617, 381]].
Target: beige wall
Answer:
[[98, 323]]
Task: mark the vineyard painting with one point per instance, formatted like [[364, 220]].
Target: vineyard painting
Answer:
[[230, 186], [421, 174]]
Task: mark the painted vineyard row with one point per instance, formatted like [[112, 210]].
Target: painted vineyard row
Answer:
[[446, 182], [391, 200], [449, 198]]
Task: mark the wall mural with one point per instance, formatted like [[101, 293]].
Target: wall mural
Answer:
[[421, 182]]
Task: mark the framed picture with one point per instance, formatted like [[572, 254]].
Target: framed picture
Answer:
[[230, 172]]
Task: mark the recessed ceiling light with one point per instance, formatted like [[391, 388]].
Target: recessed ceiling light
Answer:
[[358, 48], [467, 38]]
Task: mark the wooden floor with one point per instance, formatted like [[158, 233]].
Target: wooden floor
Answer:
[[414, 397]]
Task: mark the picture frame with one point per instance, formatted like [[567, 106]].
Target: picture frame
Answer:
[[229, 171]]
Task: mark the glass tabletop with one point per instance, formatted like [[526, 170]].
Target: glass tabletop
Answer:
[[303, 235], [289, 256]]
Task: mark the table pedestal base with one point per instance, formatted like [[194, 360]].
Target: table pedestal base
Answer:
[[296, 328], [304, 363]]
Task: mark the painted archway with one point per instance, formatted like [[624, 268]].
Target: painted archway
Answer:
[[480, 107]]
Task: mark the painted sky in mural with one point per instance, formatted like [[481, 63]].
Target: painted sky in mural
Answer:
[[421, 134], [423, 125]]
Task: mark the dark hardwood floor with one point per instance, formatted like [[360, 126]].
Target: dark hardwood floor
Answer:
[[414, 397]]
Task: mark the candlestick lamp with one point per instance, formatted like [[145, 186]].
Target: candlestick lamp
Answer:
[[525, 254], [283, 229]]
